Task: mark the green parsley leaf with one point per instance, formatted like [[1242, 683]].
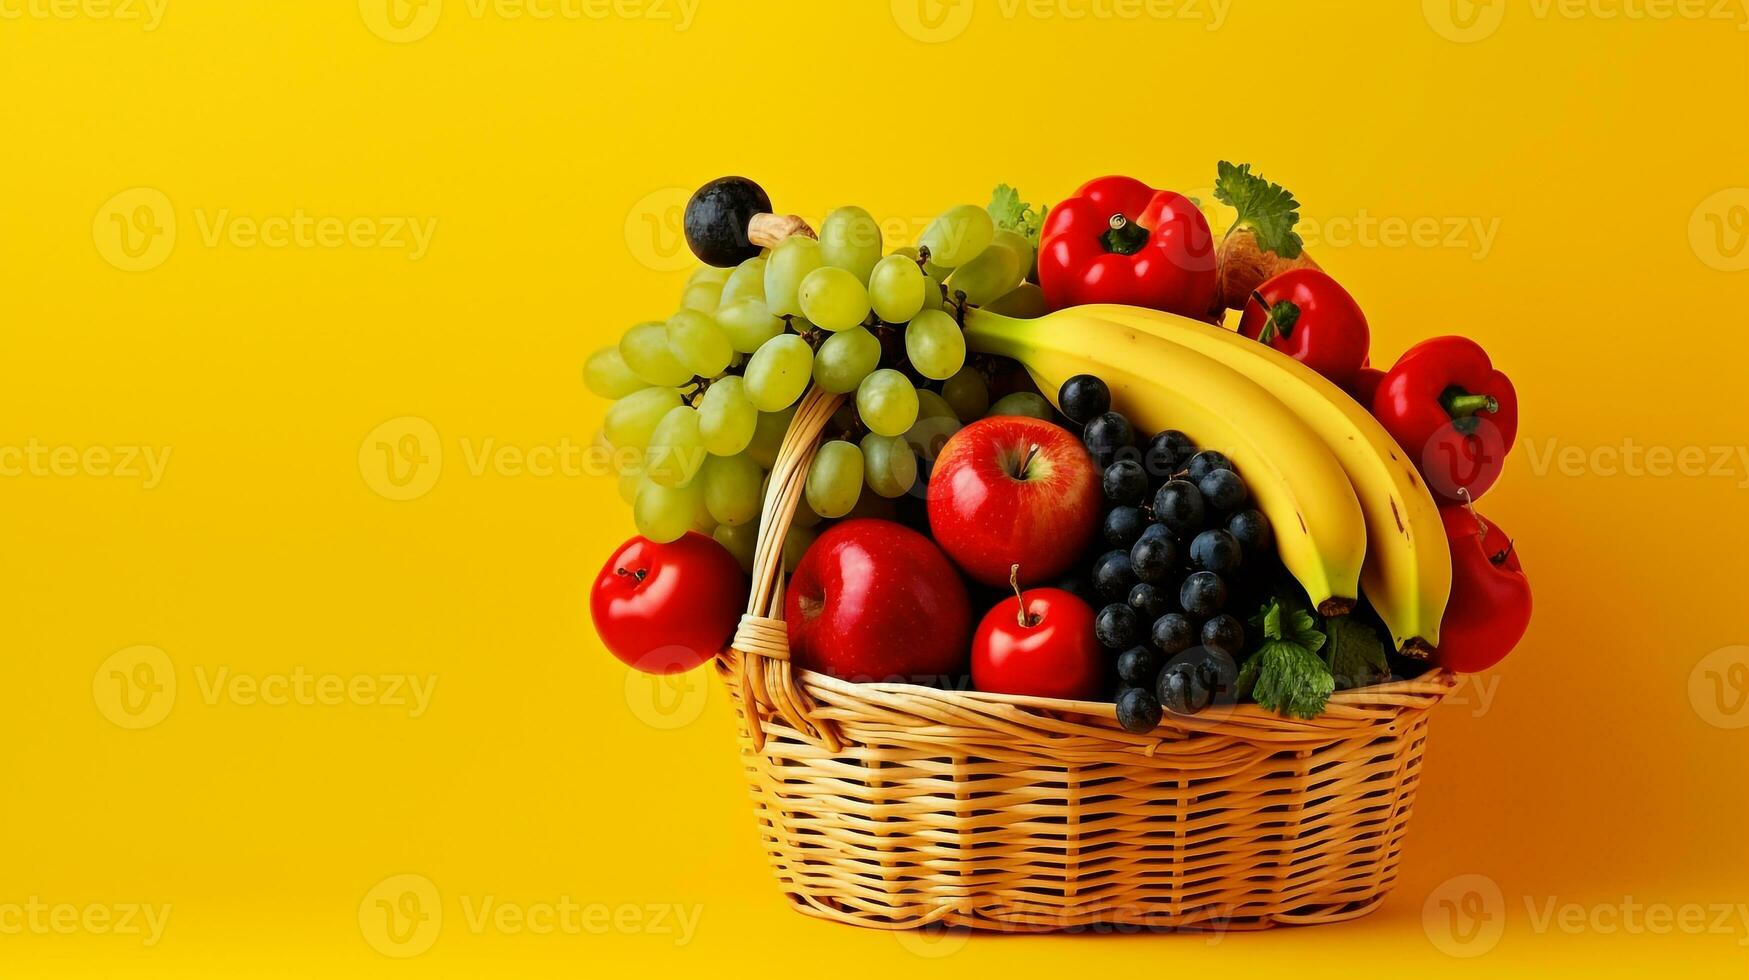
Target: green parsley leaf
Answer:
[[1286, 675], [1356, 654], [1013, 214], [1267, 209]]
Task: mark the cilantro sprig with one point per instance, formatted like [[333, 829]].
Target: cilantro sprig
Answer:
[[1013, 214], [1266, 209]]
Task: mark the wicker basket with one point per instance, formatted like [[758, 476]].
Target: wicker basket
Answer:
[[897, 806]]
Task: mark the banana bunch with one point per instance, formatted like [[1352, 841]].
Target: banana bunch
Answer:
[[1349, 511]]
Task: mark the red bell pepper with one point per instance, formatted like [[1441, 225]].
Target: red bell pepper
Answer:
[[1120, 241], [1452, 412], [1489, 608]]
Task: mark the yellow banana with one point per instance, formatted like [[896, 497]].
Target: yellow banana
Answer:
[[1298, 484], [1407, 574]]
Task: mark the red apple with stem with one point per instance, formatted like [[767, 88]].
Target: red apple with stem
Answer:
[[1014, 491], [1040, 644], [876, 601]]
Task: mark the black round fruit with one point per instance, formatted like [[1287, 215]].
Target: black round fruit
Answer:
[[1084, 398], [1113, 576], [1179, 506], [1138, 710], [1203, 594], [1106, 436], [1124, 525], [1184, 690], [1173, 634], [1139, 666], [1149, 602], [1206, 462], [1220, 674], [1216, 551], [1251, 529], [1153, 558], [1224, 633], [717, 217], [1116, 626], [1125, 482], [1223, 490], [1167, 453]]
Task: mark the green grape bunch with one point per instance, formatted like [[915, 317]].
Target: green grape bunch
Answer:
[[703, 398]]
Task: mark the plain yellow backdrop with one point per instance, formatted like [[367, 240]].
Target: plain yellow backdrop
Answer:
[[294, 299]]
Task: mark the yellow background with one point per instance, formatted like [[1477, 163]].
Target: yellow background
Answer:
[[1593, 160]]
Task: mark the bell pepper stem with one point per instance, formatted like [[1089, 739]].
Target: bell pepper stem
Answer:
[[1278, 318], [1125, 237], [1461, 404]]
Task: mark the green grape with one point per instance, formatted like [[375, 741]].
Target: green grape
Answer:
[[629, 481], [726, 419], [890, 463], [795, 544], [633, 419], [745, 281], [768, 435], [958, 236], [887, 402], [835, 479], [676, 450], [1024, 302], [785, 268], [1027, 403], [699, 343], [646, 351], [935, 345], [731, 488], [663, 514], [850, 239], [606, 375], [936, 423], [845, 359], [702, 296], [804, 515], [748, 324], [778, 372], [740, 540], [708, 273], [1022, 248], [968, 393], [995, 271], [702, 521], [834, 299], [895, 289]]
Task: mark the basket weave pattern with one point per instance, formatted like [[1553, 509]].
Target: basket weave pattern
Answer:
[[897, 806]]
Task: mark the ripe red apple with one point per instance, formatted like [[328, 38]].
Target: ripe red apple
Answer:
[[1041, 644], [876, 601], [665, 608], [1014, 491]]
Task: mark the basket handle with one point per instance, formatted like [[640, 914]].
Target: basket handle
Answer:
[[767, 677]]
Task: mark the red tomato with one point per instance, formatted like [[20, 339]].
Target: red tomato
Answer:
[[666, 608], [1490, 595], [1047, 652], [1313, 320]]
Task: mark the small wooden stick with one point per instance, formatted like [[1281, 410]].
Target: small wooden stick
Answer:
[[766, 230]]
